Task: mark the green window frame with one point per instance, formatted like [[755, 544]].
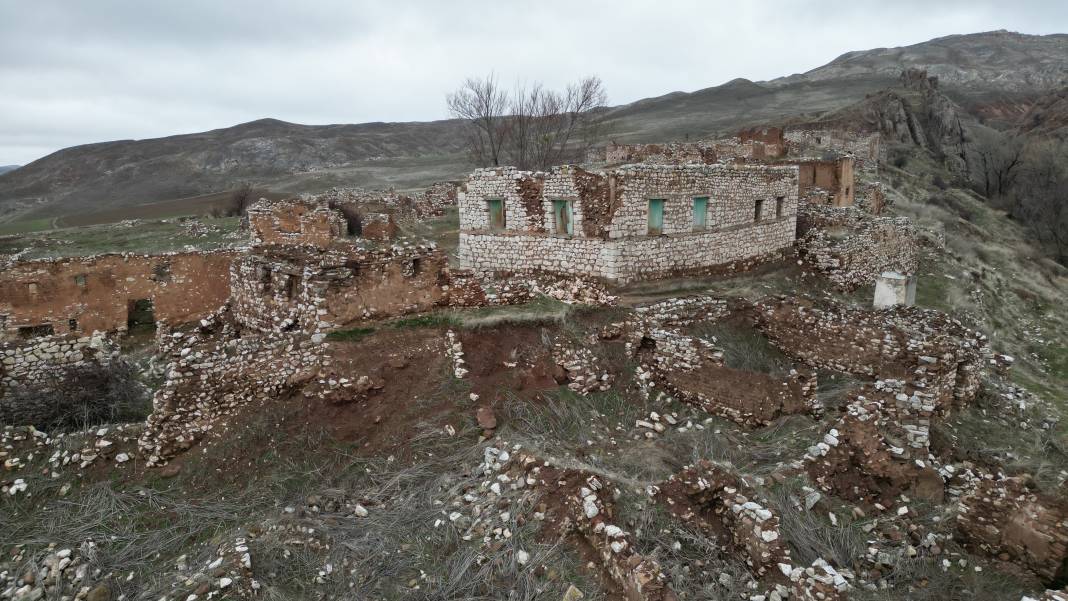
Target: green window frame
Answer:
[[700, 213], [656, 216], [564, 217], [495, 218]]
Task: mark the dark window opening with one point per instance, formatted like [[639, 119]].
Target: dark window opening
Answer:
[[80, 280], [162, 272], [291, 286], [415, 267], [140, 316], [28, 332], [758, 209], [779, 202], [72, 325], [265, 278]]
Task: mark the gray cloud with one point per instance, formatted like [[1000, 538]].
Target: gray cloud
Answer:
[[79, 72]]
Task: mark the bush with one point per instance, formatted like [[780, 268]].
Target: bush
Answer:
[[76, 398]]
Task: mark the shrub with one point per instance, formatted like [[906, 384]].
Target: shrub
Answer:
[[76, 398]]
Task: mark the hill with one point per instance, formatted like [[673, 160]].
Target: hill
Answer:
[[6, 168], [996, 71]]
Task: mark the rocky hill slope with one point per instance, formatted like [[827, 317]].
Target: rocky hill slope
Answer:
[[6, 168], [997, 71]]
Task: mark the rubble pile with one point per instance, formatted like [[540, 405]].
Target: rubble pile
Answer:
[[1004, 518], [584, 372], [718, 501]]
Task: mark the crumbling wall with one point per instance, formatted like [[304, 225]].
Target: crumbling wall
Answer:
[[87, 294], [756, 143], [826, 182], [295, 221], [314, 290], [213, 372], [808, 138], [852, 248], [731, 232], [378, 226], [1003, 517]]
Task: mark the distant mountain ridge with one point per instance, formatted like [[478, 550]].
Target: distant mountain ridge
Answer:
[[993, 69], [6, 168]]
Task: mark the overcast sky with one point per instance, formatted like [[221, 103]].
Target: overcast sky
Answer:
[[85, 71]]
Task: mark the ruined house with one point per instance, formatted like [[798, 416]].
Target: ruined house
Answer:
[[827, 182], [306, 275], [111, 292], [631, 223], [815, 138]]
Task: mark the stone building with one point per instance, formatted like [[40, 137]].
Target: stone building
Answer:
[[631, 223], [825, 181]]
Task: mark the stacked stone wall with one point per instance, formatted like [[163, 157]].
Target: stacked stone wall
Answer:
[[618, 247], [853, 248], [863, 146], [307, 290], [295, 222]]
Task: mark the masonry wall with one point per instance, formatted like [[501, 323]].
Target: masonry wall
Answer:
[[307, 290], [864, 146], [295, 222], [611, 214], [826, 182], [97, 292]]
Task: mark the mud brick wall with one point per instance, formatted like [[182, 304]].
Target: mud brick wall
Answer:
[[295, 222], [313, 290], [1003, 516], [610, 220], [863, 146], [852, 248], [97, 292]]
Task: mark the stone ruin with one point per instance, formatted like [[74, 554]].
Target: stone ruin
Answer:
[[893, 289], [852, 248], [632, 223]]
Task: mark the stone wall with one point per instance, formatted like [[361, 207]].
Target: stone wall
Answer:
[[825, 182], [313, 290], [212, 372], [863, 146], [33, 362], [610, 216], [853, 248], [295, 222], [86, 294]]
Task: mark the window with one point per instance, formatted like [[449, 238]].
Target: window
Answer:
[[80, 280], [72, 325], [779, 202], [495, 210], [562, 215], [656, 216], [758, 209], [27, 332], [32, 288], [700, 213]]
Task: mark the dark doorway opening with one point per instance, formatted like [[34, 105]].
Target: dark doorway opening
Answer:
[[28, 332], [140, 316]]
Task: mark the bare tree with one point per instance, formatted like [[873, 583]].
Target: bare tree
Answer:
[[485, 105], [999, 158], [533, 127], [550, 128], [1039, 197]]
